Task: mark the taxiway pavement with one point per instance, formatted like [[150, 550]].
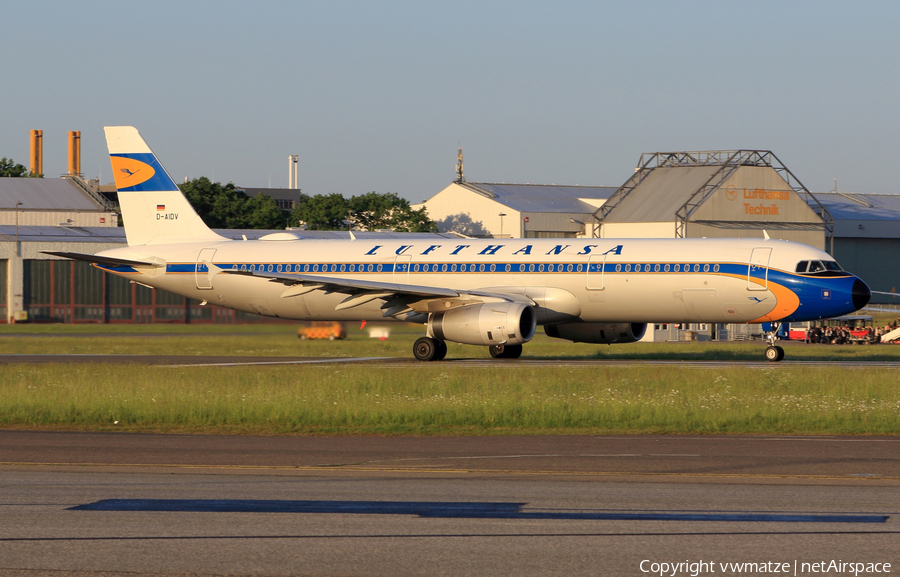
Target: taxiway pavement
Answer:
[[127, 504]]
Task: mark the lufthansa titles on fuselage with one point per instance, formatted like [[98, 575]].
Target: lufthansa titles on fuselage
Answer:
[[493, 249]]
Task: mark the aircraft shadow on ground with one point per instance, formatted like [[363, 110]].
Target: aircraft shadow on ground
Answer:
[[438, 509]]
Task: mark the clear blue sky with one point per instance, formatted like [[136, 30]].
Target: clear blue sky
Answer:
[[377, 95]]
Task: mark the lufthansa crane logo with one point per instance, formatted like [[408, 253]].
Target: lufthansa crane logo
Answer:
[[731, 192], [130, 172]]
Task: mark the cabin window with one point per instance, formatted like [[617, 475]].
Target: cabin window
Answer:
[[481, 268], [370, 268], [278, 268], [378, 268], [508, 267], [666, 268], [627, 268], [540, 268], [656, 268], [677, 267], [706, 268], [618, 268], [696, 268], [343, 268], [493, 268], [715, 268]]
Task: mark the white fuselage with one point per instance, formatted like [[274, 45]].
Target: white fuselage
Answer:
[[592, 280]]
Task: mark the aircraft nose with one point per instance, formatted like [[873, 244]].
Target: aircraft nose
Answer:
[[861, 294]]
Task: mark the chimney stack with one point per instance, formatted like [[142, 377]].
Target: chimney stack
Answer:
[[37, 152], [74, 153]]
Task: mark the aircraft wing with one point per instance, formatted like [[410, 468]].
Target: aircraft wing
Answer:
[[104, 260], [400, 298]]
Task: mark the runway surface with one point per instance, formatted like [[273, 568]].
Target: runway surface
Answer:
[[132, 504], [406, 362]]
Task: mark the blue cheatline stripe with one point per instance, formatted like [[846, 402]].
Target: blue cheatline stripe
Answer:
[[430, 509]]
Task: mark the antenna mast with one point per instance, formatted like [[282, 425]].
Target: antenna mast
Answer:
[[459, 165]]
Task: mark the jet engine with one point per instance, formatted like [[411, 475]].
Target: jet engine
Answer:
[[485, 324], [597, 333]]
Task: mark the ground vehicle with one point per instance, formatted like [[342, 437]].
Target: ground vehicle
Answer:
[[322, 330]]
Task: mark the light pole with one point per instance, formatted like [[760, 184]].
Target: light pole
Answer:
[[18, 249]]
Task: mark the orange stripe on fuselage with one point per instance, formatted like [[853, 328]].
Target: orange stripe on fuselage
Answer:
[[786, 302]]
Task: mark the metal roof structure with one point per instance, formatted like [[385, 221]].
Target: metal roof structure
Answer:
[[542, 197], [852, 206], [45, 194], [673, 185], [103, 234]]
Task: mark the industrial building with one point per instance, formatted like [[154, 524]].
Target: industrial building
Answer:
[[483, 209]]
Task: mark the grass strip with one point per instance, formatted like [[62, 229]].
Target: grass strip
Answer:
[[430, 399]]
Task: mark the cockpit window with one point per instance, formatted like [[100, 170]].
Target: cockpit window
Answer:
[[818, 267]]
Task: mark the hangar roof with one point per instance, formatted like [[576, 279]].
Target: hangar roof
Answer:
[[663, 192], [43, 194], [852, 206], [543, 197]]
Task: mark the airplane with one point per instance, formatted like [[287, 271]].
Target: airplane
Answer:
[[490, 292]]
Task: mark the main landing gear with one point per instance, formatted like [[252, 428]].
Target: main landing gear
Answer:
[[429, 349], [506, 351], [774, 353]]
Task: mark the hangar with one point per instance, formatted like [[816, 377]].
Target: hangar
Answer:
[[714, 194], [867, 238], [482, 209]]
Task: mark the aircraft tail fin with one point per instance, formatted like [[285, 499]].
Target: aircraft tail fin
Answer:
[[154, 210]]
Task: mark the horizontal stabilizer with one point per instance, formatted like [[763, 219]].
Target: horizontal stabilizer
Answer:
[[104, 260]]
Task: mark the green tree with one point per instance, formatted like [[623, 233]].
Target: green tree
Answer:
[[370, 211], [373, 211], [322, 212], [8, 167], [224, 206]]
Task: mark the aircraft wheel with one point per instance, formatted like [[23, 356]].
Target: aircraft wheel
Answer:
[[774, 354], [505, 351], [427, 349], [441, 351]]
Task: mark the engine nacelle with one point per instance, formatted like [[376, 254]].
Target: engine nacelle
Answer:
[[597, 333], [485, 324]]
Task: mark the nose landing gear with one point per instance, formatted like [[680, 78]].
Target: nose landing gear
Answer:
[[774, 353]]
